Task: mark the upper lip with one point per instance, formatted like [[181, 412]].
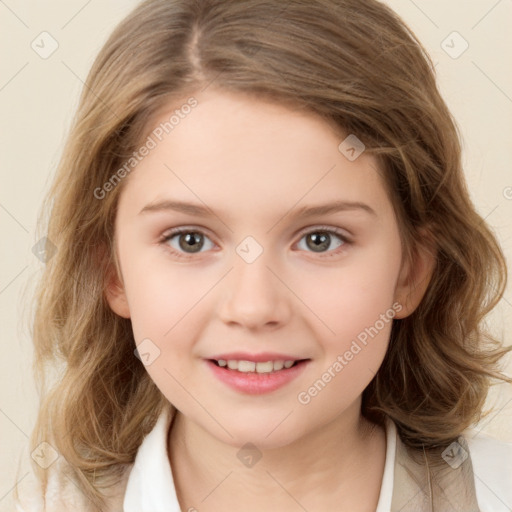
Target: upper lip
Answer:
[[261, 357]]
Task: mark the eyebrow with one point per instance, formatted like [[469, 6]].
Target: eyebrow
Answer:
[[303, 212]]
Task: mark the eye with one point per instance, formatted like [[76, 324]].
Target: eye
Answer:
[[185, 242], [189, 241], [320, 239]]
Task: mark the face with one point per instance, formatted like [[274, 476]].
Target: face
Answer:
[[255, 273]]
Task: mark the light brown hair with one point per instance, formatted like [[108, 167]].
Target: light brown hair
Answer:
[[357, 65]]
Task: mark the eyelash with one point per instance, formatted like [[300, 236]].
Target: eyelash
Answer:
[[318, 229]]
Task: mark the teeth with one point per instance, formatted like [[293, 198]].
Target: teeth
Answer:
[[251, 366], [246, 366], [264, 367]]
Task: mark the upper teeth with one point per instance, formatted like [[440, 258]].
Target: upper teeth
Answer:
[[251, 366]]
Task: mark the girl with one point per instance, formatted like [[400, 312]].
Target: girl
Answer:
[[322, 347]]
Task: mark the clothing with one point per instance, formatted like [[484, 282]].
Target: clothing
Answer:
[[149, 487]]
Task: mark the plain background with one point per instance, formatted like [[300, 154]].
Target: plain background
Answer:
[[38, 97]]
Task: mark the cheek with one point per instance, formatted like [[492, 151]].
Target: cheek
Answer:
[[356, 311], [349, 302], [165, 309], [160, 294], [168, 305]]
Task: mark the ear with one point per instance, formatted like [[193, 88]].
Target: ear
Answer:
[[415, 276], [115, 293]]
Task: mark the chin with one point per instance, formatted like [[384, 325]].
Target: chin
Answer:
[[265, 433]]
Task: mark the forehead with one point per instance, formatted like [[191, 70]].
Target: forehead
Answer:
[[235, 151]]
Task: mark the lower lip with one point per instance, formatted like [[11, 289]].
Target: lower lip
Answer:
[[257, 383]]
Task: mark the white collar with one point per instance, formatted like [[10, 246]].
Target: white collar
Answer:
[[150, 486]]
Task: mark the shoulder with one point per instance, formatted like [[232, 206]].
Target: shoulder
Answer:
[[492, 466], [61, 493]]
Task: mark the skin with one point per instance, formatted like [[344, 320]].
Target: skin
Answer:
[[254, 163]]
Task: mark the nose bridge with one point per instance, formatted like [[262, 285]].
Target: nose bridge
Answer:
[[252, 295]]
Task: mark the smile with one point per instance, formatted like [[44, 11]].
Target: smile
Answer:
[[251, 366], [255, 378]]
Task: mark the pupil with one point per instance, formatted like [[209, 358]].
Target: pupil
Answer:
[[319, 241], [188, 241]]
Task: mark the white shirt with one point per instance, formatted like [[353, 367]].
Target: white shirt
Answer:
[[150, 486]]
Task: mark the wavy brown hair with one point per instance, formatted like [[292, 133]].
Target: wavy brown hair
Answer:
[[355, 64]]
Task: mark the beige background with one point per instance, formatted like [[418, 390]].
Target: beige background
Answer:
[[38, 97]]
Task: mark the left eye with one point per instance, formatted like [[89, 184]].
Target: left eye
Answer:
[[192, 242], [187, 239]]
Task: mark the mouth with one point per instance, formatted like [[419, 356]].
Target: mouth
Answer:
[[256, 377], [261, 367]]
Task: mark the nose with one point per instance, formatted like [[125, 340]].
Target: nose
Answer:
[[254, 296]]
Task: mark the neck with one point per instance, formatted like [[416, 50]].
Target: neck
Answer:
[[343, 460]]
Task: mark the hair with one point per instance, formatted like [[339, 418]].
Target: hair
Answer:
[[352, 62]]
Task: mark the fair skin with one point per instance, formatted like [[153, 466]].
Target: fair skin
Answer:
[[254, 163]]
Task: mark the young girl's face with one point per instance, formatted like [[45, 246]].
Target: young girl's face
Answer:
[[252, 277]]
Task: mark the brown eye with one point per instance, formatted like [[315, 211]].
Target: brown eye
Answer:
[[323, 240], [188, 241], [318, 241]]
